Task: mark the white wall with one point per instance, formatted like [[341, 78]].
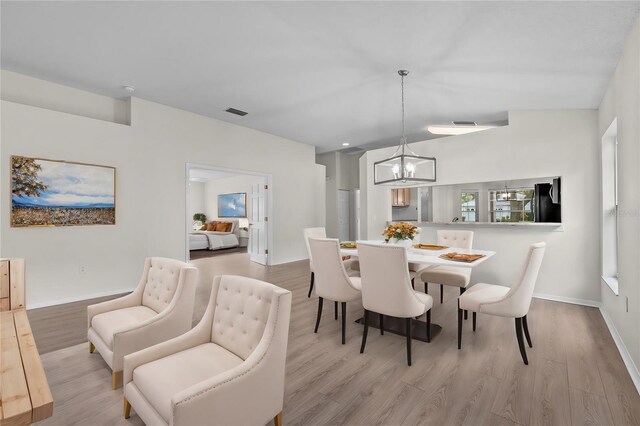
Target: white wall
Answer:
[[196, 200], [56, 97], [342, 172], [536, 143], [622, 100], [330, 162], [240, 183], [150, 156]]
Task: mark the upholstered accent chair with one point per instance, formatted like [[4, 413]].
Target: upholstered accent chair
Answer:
[[160, 308], [334, 283], [351, 265], [228, 370], [386, 289], [449, 275], [511, 302]]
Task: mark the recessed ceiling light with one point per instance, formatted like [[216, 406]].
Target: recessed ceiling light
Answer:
[[129, 89], [458, 129], [345, 144]]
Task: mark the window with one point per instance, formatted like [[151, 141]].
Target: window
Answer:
[[511, 205], [469, 206], [609, 242]]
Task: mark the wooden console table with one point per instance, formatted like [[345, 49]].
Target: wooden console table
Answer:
[[24, 391], [11, 284]]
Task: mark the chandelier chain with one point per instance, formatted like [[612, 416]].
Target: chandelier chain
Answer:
[[404, 138]]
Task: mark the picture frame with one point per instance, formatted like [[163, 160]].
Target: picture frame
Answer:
[[51, 193], [232, 205]]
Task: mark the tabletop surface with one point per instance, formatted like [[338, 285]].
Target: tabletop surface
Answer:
[[431, 257]]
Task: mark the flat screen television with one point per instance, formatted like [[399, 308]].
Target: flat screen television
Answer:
[[232, 205]]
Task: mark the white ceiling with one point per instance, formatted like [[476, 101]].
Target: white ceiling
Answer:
[[324, 73]]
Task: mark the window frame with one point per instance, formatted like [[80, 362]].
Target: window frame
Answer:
[[476, 212], [491, 213]]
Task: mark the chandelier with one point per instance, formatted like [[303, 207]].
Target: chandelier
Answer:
[[505, 195], [404, 167]]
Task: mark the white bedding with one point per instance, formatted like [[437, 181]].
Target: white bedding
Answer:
[[212, 240], [198, 242]]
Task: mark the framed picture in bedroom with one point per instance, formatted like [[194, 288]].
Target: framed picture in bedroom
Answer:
[[232, 205], [61, 193]]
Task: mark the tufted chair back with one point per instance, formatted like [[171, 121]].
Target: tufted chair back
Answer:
[[312, 233], [456, 239], [241, 312], [160, 277]]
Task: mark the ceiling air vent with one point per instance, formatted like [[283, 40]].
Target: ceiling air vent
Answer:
[[352, 150], [236, 112]]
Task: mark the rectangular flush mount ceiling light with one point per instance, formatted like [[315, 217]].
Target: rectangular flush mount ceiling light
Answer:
[[453, 129]]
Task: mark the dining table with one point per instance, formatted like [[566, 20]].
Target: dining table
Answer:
[[427, 258]]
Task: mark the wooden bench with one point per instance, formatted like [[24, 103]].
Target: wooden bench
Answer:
[[25, 396]]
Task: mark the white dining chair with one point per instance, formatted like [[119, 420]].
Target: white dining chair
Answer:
[[511, 302], [320, 232], [449, 275], [387, 290], [332, 280]]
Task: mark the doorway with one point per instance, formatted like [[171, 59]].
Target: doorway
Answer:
[[238, 198]]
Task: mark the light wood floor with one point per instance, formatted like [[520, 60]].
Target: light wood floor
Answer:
[[575, 375]]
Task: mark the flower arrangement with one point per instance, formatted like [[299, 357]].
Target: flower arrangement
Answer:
[[401, 231]]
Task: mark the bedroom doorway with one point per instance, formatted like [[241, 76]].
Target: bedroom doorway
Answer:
[[227, 211]]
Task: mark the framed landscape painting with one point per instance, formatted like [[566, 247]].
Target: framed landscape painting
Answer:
[[232, 205], [61, 193]]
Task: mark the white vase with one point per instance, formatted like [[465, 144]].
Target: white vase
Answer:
[[403, 243]]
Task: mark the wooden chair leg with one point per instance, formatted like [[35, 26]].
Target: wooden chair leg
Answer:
[[311, 284], [91, 348], [466, 313], [381, 324], [277, 420], [474, 321], [365, 331], [335, 310], [523, 351], [459, 326], [319, 314], [127, 409], [116, 379], [344, 321], [525, 326], [407, 326], [441, 293], [429, 326]]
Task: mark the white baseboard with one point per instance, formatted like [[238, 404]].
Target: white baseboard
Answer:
[[573, 301], [632, 368], [624, 353], [78, 298]]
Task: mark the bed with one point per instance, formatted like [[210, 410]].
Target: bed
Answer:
[[213, 240]]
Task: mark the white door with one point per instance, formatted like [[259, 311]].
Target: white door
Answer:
[[258, 247], [354, 232], [344, 200]]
